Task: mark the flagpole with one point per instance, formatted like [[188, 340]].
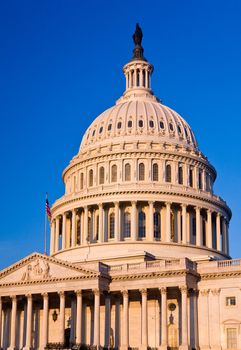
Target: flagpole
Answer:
[[45, 226]]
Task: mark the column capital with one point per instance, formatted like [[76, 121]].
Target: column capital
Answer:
[[96, 292], [197, 208], [151, 202], [13, 297], [218, 214], [168, 203], [125, 292], [78, 292], [45, 295], [61, 294], [143, 291], [209, 211], [204, 292], [100, 205], [133, 203], [116, 203], [215, 291], [74, 211], [183, 289], [29, 295], [163, 290], [184, 206]]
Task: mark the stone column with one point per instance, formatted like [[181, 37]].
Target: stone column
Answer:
[[61, 317], [133, 221], [203, 319], [101, 226], [218, 231], [151, 220], [45, 320], [64, 231], [29, 322], [52, 239], [144, 326], [57, 234], [184, 340], [209, 230], [125, 321], [117, 221], [13, 323], [86, 225], [97, 318], [215, 329], [163, 318], [107, 330], [198, 226], [73, 229], [179, 226], [184, 224], [168, 222], [79, 317]]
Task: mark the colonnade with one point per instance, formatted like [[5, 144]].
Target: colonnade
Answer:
[[150, 221], [107, 300]]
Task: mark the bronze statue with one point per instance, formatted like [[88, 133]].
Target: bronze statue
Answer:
[[137, 36]]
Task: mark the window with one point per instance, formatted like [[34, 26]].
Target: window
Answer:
[[179, 129], [200, 180], [138, 77], [127, 225], [112, 225], [101, 129], [180, 175], [141, 224], [140, 123], [118, 125], [194, 226], [101, 175], [97, 228], [93, 133], [151, 124], [129, 124], [207, 182], [230, 301], [155, 172], [232, 338], [127, 172], [168, 173], [141, 172], [114, 173], [171, 127], [91, 178], [191, 177], [109, 127], [81, 181], [157, 225], [161, 125]]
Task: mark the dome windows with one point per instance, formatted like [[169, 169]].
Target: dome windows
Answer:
[[91, 176], [112, 225], [180, 175], [101, 129], [179, 129], [168, 173], [101, 175], [141, 224], [155, 172], [162, 125], [129, 124], [151, 124], [191, 177], [127, 172], [119, 125], [93, 133], [141, 123], [171, 127], [127, 225], [141, 172], [109, 127], [114, 173]]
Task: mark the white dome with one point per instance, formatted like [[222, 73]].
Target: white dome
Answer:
[[142, 118]]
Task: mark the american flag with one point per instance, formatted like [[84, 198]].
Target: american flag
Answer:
[[48, 210]]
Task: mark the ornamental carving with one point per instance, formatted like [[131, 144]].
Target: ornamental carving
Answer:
[[38, 270], [204, 292], [215, 291]]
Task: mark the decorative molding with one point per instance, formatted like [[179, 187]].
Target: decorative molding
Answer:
[[204, 292]]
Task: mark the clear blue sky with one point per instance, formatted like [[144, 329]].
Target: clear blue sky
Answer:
[[61, 65]]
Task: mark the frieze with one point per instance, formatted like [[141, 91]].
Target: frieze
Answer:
[[40, 269]]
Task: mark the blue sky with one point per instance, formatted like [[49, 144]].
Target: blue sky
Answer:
[[61, 65]]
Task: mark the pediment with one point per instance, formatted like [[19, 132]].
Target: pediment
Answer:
[[39, 267]]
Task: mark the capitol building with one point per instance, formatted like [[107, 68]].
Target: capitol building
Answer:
[[139, 248]]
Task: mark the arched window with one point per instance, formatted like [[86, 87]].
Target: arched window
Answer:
[[109, 127], [81, 181], [155, 172], [78, 230], [112, 225], [114, 173], [127, 224], [141, 172], [180, 175], [127, 172], [157, 225], [140, 123], [191, 177], [129, 123], [138, 77], [89, 229], [91, 178], [101, 175], [200, 180], [168, 173], [141, 224]]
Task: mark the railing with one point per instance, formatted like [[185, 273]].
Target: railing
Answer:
[[228, 263]]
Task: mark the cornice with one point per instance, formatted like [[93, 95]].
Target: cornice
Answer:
[[220, 275]]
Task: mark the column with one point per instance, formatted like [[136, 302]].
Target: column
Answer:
[[133, 221], [52, 239], [203, 319], [184, 340], [13, 323], [144, 327], [218, 231], [198, 226], [101, 226], [168, 222], [73, 229], [146, 78], [117, 221], [141, 77], [97, 318], [179, 226], [135, 77], [125, 321], [61, 317], [57, 234], [107, 338], [151, 220], [29, 322], [215, 336], [209, 230], [79, 317], [86, 225], [184, 224], [64, 231], [163, 318], [45, 320]]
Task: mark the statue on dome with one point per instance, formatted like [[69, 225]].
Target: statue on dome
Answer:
[[137, 36]]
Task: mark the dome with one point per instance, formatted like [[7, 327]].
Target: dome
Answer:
[[139, 118]]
